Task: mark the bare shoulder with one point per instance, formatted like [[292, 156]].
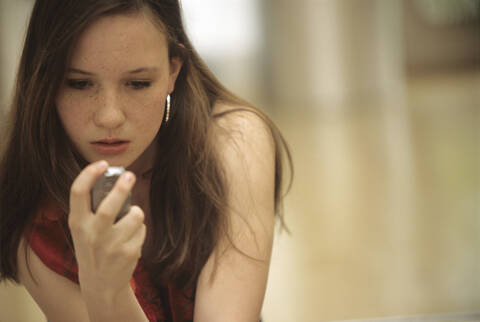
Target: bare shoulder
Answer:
[[240, 129], [48, 288], [246, 151]]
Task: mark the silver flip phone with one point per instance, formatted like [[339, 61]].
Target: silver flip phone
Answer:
[[102, 187]]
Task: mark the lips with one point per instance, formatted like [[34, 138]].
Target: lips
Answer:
[[110, 141], [110, 146]]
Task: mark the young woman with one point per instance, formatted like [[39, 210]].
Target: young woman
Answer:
[[117, 82]]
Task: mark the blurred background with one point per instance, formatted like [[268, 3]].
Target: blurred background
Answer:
[[379, 101]]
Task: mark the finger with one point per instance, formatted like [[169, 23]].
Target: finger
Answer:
[[109, 208], [139, 238], [80, 189], [130, 223], [134, 245]]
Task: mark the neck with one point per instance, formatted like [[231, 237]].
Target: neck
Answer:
[[143, 166]]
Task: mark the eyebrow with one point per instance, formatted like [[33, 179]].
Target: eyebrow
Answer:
[[78, 71], [135, 71], [143, 69]]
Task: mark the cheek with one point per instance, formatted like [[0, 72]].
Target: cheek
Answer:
[[150, 114], [71, 114]]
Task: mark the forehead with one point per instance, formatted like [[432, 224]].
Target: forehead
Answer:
[[120, 38]]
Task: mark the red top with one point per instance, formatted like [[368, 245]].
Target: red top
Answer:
[[50, 244]]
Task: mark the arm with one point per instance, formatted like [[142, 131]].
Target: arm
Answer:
[[49, 289], [57, 296], [106, 254], [231, 286]]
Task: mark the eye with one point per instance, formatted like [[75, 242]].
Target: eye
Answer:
[[139, 84], [79, 84]]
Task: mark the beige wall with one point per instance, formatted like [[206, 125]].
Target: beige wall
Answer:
[[385, 203], [13, 20]]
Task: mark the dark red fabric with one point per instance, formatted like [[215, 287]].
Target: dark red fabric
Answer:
[[48, 240]]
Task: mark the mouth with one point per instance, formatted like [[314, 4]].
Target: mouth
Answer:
[[110, 142], [110, 146]]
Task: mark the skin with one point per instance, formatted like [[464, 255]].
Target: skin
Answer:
[[108, 103], [118, 80]]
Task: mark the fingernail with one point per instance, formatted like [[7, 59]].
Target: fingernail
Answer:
[[129, 177], [102, 164]]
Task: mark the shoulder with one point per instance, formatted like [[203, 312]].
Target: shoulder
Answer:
[[246, 152], [241, 258], [40, 280], [47, 237], [240, 130]]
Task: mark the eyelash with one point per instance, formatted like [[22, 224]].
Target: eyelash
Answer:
[[79, 84], [82, 84], [137, 85]]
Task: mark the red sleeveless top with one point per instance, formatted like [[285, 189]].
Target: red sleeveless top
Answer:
[[48, 240]]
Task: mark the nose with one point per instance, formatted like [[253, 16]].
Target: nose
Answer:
[[109, 113]]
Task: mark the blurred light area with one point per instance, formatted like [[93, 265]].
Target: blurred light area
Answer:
[[227, 35], [209, 24]]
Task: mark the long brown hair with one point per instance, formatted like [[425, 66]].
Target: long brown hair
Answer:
[[187, 193]]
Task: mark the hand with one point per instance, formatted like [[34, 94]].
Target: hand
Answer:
[[106, 252]]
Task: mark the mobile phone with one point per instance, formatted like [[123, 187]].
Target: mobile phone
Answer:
[[104, 185]]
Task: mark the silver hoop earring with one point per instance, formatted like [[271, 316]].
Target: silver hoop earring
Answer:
[[167, 109]]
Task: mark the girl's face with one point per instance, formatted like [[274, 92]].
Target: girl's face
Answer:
[[112, 101]]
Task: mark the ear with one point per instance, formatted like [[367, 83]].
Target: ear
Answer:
[[175, 67]]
